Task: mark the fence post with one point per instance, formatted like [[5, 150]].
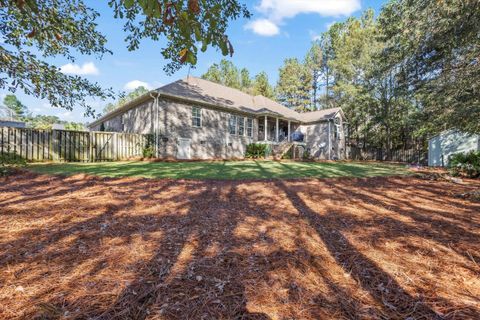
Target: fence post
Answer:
[[115, 146], [90, 146], [54, 145]]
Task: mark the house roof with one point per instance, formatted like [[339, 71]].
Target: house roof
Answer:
[[203, 91]]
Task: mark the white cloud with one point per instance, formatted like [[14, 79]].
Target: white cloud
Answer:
[[132, 85], [67, 115], [88, 68], [263, 27], [276, 11]]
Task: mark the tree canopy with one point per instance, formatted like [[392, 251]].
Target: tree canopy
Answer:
[[21, 113], [16, 106], [227, 74], [124, 98], [33, 30], [294, 85]]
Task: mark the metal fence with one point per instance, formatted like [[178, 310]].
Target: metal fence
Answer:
[[70, 146], [413, 156]]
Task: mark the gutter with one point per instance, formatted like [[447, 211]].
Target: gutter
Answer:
[[155, 119], [329, 141]]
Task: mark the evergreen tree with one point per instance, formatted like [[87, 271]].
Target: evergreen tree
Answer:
[[245, 80], [293, 87], [124, 98], [225, 73], [314, 64], [436, 44], [16, 106], [261, 86]]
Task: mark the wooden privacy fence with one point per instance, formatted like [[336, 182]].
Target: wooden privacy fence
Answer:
[[412, 156], [70, 146]]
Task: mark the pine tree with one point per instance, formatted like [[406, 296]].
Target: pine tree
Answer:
[[314, 64], [294, 83], [261, 86], [16, 106]]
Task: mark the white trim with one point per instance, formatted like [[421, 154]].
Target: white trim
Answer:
[[197, 117], [329, 142], [276, 129], [265, 129]]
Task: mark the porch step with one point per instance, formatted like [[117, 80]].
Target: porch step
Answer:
[[282, 149]]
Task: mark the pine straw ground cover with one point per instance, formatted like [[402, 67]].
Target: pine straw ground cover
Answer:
[[82, 247]]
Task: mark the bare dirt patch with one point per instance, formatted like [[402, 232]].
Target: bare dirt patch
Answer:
[[366, 248]]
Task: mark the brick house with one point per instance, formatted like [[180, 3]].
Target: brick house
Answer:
[[194, 118]]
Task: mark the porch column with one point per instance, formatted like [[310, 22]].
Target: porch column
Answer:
[[265, 129], [288, 137], [276, 129]]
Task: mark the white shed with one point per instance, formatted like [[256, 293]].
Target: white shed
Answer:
[[441, 146]]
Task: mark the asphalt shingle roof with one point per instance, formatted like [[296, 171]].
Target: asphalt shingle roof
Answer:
[[199, 90]]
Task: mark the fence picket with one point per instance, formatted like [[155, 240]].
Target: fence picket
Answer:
[[66, 145], [376, 154]]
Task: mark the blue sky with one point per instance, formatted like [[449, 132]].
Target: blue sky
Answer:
[[278, 29]]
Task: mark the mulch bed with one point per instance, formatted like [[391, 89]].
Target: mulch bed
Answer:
[[83, 247]]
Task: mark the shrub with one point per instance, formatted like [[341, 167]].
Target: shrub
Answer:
[[306, 154], [288, 154], [148, 152], [256, 150], [8, 161], [465, 164], [149, 148]]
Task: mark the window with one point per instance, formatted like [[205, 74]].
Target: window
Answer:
[[196, 117], [337, 129], [241, 126], [249, 127], [232, 124]]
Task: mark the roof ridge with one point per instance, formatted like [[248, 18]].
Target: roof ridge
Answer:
[[218, 84]]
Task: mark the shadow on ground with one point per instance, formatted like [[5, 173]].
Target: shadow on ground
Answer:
[[366, 248]]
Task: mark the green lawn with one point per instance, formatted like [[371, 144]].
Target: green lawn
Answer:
[[223, 169]]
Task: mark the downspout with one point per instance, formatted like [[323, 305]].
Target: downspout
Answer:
[[329, 141], [155, 124]]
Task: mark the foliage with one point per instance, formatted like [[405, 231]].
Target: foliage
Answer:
[[74, 126], [294, 84], [8, 161], [306, 154], [45, 122], [465, 164], [186, 25], [256, 150], [227, 74], [437, 46], [32, 30], [16, 106], [261, 86], [124, 98], [148, 150], [314, 63], [245, 80], [288, 154]]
